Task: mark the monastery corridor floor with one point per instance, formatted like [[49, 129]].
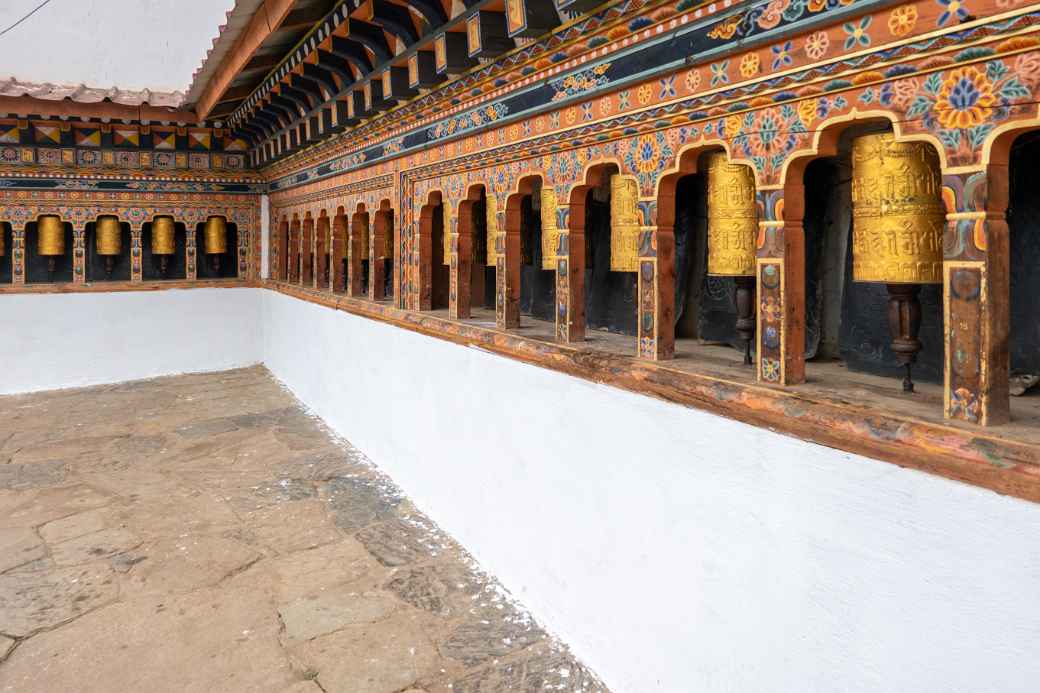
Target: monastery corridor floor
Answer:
[[203, 533]]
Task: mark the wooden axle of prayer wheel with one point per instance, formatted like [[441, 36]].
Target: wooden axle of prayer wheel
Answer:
[[898, 218], [214, 240], [51, 240], [164, 235], [732, 230], [108, 241]]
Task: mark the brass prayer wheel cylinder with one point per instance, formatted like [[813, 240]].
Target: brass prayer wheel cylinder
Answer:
[[898, 215], [491, 212], [51, 231], [215, 236], [732, 218], [550, 231], [108, 236], [164, 234], [446, 235], [624, 224]]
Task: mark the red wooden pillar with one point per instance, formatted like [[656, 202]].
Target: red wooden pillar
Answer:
[[656, 288], [507, 267], [355, 251], [781, 286], [570, 270], [461, 295], [339, 253], [976, 296], [382, 231]]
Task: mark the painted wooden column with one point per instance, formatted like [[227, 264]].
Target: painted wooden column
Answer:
[[136, 272], [339, 253], [17, 254], [507, 267], [293, 252], [570, 272], [976, 297], [780, 342], [307, 253], [460, 302], [244, 254], [382, 226], [79, 254], [656, 286], [424, 261], [191, 273], [358, 231]]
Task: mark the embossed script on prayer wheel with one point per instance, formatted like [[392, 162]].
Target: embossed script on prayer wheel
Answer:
[[109, 236], [491, 211], [897, 210], [624, 224], [163, 235], [732, 218], [215, 236], [51, 232], [550, 232]]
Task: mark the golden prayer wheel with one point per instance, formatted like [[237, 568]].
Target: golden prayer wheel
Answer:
[[550, 231], [898, 218], [164, 235], [108, 241], [732, 218], [732, 234], [446, 235], [215, 240], [51, 231], [491, 225], [624, 224]]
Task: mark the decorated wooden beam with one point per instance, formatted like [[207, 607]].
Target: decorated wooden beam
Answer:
[[431, 10], [578, 5], [452, 54], [336, 65], [311, 88], [422, 70], [530, 18], [486, 34], [353, 52], [320, 77], [396, 20], [396, 84], [370, 36]]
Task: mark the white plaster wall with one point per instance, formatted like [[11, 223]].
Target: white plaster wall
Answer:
[[672, 549], [74, 340]]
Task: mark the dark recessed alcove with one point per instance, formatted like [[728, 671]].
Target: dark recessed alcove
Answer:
[[95, 263], [177, 265], [36, 271]]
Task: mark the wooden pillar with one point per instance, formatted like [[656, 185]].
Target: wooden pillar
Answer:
[[382, 227], [460, 296], [79, 254], [294, 252], [781, 286], [976, 297], [507, 268], [136, 273], [570, 272], [424, 259], [244, 247], [307, 253], [656, 289], [322, 275], [17, 254], [339, 253], [191, 272], [358, 231]]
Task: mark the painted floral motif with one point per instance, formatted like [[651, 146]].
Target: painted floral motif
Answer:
[[902, 20], [647, 155], [782, 55], [952, 9], [816, 45], [749, 65], [468, 121], [771, 370], [720, 73], [580, 82], [692, 80], [856, 33]]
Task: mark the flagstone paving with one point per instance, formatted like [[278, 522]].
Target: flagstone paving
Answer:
[[203, 533]]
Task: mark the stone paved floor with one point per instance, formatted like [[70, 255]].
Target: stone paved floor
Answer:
[[202, 533]]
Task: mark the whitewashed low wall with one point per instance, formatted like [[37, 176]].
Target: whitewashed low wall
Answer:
[[50, 341], [672, 549]]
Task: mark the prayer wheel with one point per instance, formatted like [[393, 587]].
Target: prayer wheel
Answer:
[[624, 224], [108, 241], [732, 233], [214, 241], [550, 231], [898, 218], [51, 240], [164, 235], [491, 212], [446, 234]]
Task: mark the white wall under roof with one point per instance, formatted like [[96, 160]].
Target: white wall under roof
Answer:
[[154, 44]]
